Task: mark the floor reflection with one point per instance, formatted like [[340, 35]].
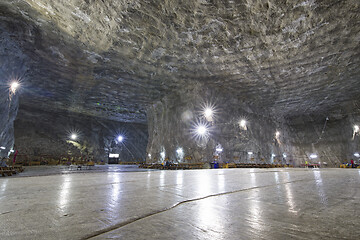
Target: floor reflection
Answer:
[[65, 192], [289, 194], [179, 178], [162, 179], [116, 187], [211, 217], [221, 181], [254, 217], [3, 188], [320, 187], [204, 183]]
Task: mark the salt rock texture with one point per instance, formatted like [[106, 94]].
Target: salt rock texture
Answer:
[[12, 66], [119, 60], [44, 136]]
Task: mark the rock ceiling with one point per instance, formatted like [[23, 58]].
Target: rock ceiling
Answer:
[[114, 58]]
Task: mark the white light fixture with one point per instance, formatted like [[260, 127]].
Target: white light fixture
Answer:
[[313, 156], [13, 86], [356, 128], [273, 155], [208, 112], [250, 153], [73, 136], [114, 155], [162, 154], [120, 138], [219, 149], [243, 123], [179, 151], [201, 130], [277, 134], [3, 147], [149, 155], [284, 155], [356, 154]]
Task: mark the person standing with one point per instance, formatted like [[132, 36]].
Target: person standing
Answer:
[[352, 163], [14, 159]]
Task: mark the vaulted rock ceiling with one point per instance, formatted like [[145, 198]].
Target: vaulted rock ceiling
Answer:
[[114, 58]]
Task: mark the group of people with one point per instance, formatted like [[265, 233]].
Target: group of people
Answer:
[[353, 165]]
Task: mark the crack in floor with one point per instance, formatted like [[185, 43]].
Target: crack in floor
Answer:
[[137, 218]]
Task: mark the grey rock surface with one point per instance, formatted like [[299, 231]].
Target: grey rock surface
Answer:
[[12, 68], [116, 59], [173, 124], [47, 135]]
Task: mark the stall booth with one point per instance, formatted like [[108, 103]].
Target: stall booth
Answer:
[[113, 158]]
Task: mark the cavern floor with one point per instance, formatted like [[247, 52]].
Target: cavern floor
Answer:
[[193, 204]]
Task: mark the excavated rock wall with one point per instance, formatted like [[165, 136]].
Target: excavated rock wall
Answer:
[[333, 141], [47, 134], [172, 125], [12, 67]]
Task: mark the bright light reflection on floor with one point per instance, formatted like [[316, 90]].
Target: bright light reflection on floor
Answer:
[[179, 178], [65, 192], [210, 218], [3, 186], [204, 183], [116, 187], [162, 178], [319, 186], [289, 195], [254, 206], [221, 181]]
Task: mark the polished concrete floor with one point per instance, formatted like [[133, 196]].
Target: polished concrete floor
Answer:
[[193, 204]]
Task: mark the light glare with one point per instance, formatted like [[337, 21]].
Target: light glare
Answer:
[[14, 85], [208, 112], [356, 128], [120, 138], [250, 153], [73, 136], [179, 150], [114, 155], [313, 156], [201, 130], [356, 154], [242, 123]]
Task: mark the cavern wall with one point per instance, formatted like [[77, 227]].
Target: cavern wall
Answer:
[[12, 68], [172, 131], [43, 135], [333, 141]]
